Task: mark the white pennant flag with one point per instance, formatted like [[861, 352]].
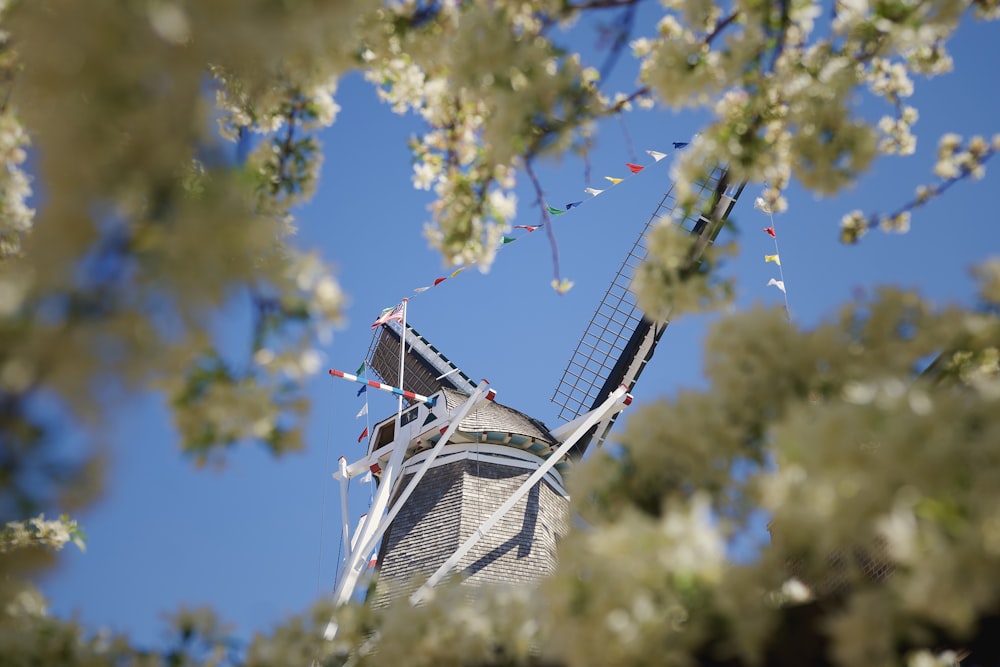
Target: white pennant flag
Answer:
[[593, 191], [367, 479], [780, 284], [363, 411], [656, 155]]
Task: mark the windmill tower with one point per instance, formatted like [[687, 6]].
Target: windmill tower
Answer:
[[468, 485]]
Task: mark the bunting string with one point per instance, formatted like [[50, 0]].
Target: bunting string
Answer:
[[762, 206], [363, 412], [389, 314]]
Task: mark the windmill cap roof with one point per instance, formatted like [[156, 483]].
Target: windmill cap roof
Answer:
[[492, 416]]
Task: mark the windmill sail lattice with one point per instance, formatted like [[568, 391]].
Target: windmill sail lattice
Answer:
[[619, 340], [426, 369]]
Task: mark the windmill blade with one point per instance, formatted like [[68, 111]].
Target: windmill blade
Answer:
[[619, 341], [426, 369]]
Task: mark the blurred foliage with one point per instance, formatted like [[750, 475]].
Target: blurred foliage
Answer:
[[868, 439]]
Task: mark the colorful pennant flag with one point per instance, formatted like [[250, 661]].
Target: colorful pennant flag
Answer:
[[773, 258], [562, 286], [362, 412], [770, 232], [373, 560], [780, 284], [364, 434], [390, 314]]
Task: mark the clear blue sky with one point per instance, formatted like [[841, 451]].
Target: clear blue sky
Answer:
[[259, 539]]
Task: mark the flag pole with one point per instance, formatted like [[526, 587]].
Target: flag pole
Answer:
[[357, 560], [402, 360]]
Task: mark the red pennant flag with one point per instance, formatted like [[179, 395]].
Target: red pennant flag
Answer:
[[634, 168], [438, 281], [364, 434], [530, 228], [770, 232]]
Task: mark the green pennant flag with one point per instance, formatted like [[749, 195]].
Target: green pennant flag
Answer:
[[361, 369], [555, 211], [509, 239]]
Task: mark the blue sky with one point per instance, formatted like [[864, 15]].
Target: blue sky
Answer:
[[258, 539]]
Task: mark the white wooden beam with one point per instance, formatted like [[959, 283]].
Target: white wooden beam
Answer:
[[616, 402], [481, 393], [345, 521], [373, 529]]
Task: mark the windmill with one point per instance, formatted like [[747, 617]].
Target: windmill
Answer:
[[468, 484]]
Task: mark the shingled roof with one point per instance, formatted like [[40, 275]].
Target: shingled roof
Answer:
[[492, 416]]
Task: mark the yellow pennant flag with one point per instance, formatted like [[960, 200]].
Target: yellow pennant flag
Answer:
[[562, 286], [773, 258], [614, 180]]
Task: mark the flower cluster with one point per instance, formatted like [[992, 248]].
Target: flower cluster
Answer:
[[487, 106], [897, 136], [956, 159], [679, 275], [40, 532]]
